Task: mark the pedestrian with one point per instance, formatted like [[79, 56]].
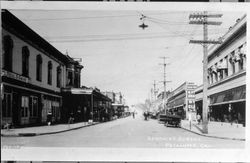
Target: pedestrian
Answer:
[[71, 119], [145, 115], [49, 118], [198, 118], [79, 114], [133, 115]]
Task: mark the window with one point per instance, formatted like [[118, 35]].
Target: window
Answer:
[[33, 105], [241, 57], [226, 70], [77, 81], [221, 70], [25, 106], [50, 72], [39, 62], [215, 73], [25, 61], [7, 52], [70, 78], [6, 105], [233, 67], [58, 76]]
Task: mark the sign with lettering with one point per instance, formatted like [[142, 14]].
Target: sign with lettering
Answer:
[[15, 76], [191, 98]]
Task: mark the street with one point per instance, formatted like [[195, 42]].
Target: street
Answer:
[[122, 133]]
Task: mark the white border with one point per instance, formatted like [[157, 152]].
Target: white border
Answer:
[[132, 154]]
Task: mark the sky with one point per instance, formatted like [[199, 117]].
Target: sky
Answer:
[[119, 56]]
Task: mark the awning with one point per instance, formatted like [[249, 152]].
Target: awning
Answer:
[[117, 105], [228, 102], [235, 94], [79, 91]]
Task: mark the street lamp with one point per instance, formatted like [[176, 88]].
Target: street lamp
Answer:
[[143, 26]]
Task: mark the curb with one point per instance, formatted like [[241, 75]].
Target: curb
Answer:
[[211, 136], [45, 133]]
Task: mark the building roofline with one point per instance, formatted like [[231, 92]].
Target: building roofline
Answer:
[[11, 21], [227, 36]]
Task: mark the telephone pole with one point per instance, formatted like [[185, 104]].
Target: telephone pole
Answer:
[[154, 90], [201, 19], [164, 79]]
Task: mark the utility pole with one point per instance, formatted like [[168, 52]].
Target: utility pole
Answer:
[[164, 79], [154, 90], [201, 19], [1, 84]]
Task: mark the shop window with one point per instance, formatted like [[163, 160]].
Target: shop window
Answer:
[[6, 105], [33, 101], [25, 106], [55, 109], [25, 61], [7, 53], [39, 62], [58, 76], [50, 72]]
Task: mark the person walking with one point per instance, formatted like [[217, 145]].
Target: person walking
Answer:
[[49, 118], [71, 119], [198, 118]]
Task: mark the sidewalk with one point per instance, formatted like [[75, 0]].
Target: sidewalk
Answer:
[[43, 130], [217, 130]]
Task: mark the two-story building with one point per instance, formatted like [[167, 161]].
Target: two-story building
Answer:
[[227, 76], [33, 73]]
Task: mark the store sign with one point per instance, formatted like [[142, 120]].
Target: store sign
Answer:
[[15, 76], [191, 98]]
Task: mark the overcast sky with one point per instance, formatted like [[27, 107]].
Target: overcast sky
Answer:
[[118, 55]]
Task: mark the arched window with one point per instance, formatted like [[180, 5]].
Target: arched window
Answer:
[[58, 76], [25, 60], [50, 72], [39, 62], [7, 53]]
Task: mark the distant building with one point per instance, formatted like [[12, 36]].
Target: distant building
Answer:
[[33, 73], [110, 95], [161, 95], [118, 103], [227, 77]]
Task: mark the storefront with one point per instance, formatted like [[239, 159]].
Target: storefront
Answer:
[[85, 104], [23, 104], [229, 105]]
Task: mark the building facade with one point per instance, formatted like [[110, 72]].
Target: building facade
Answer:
[[33, 73], [86, 104], [182, 100], [227, 76]]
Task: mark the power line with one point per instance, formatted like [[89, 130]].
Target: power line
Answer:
[[77, 18], [129, 37], [95, 17]]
